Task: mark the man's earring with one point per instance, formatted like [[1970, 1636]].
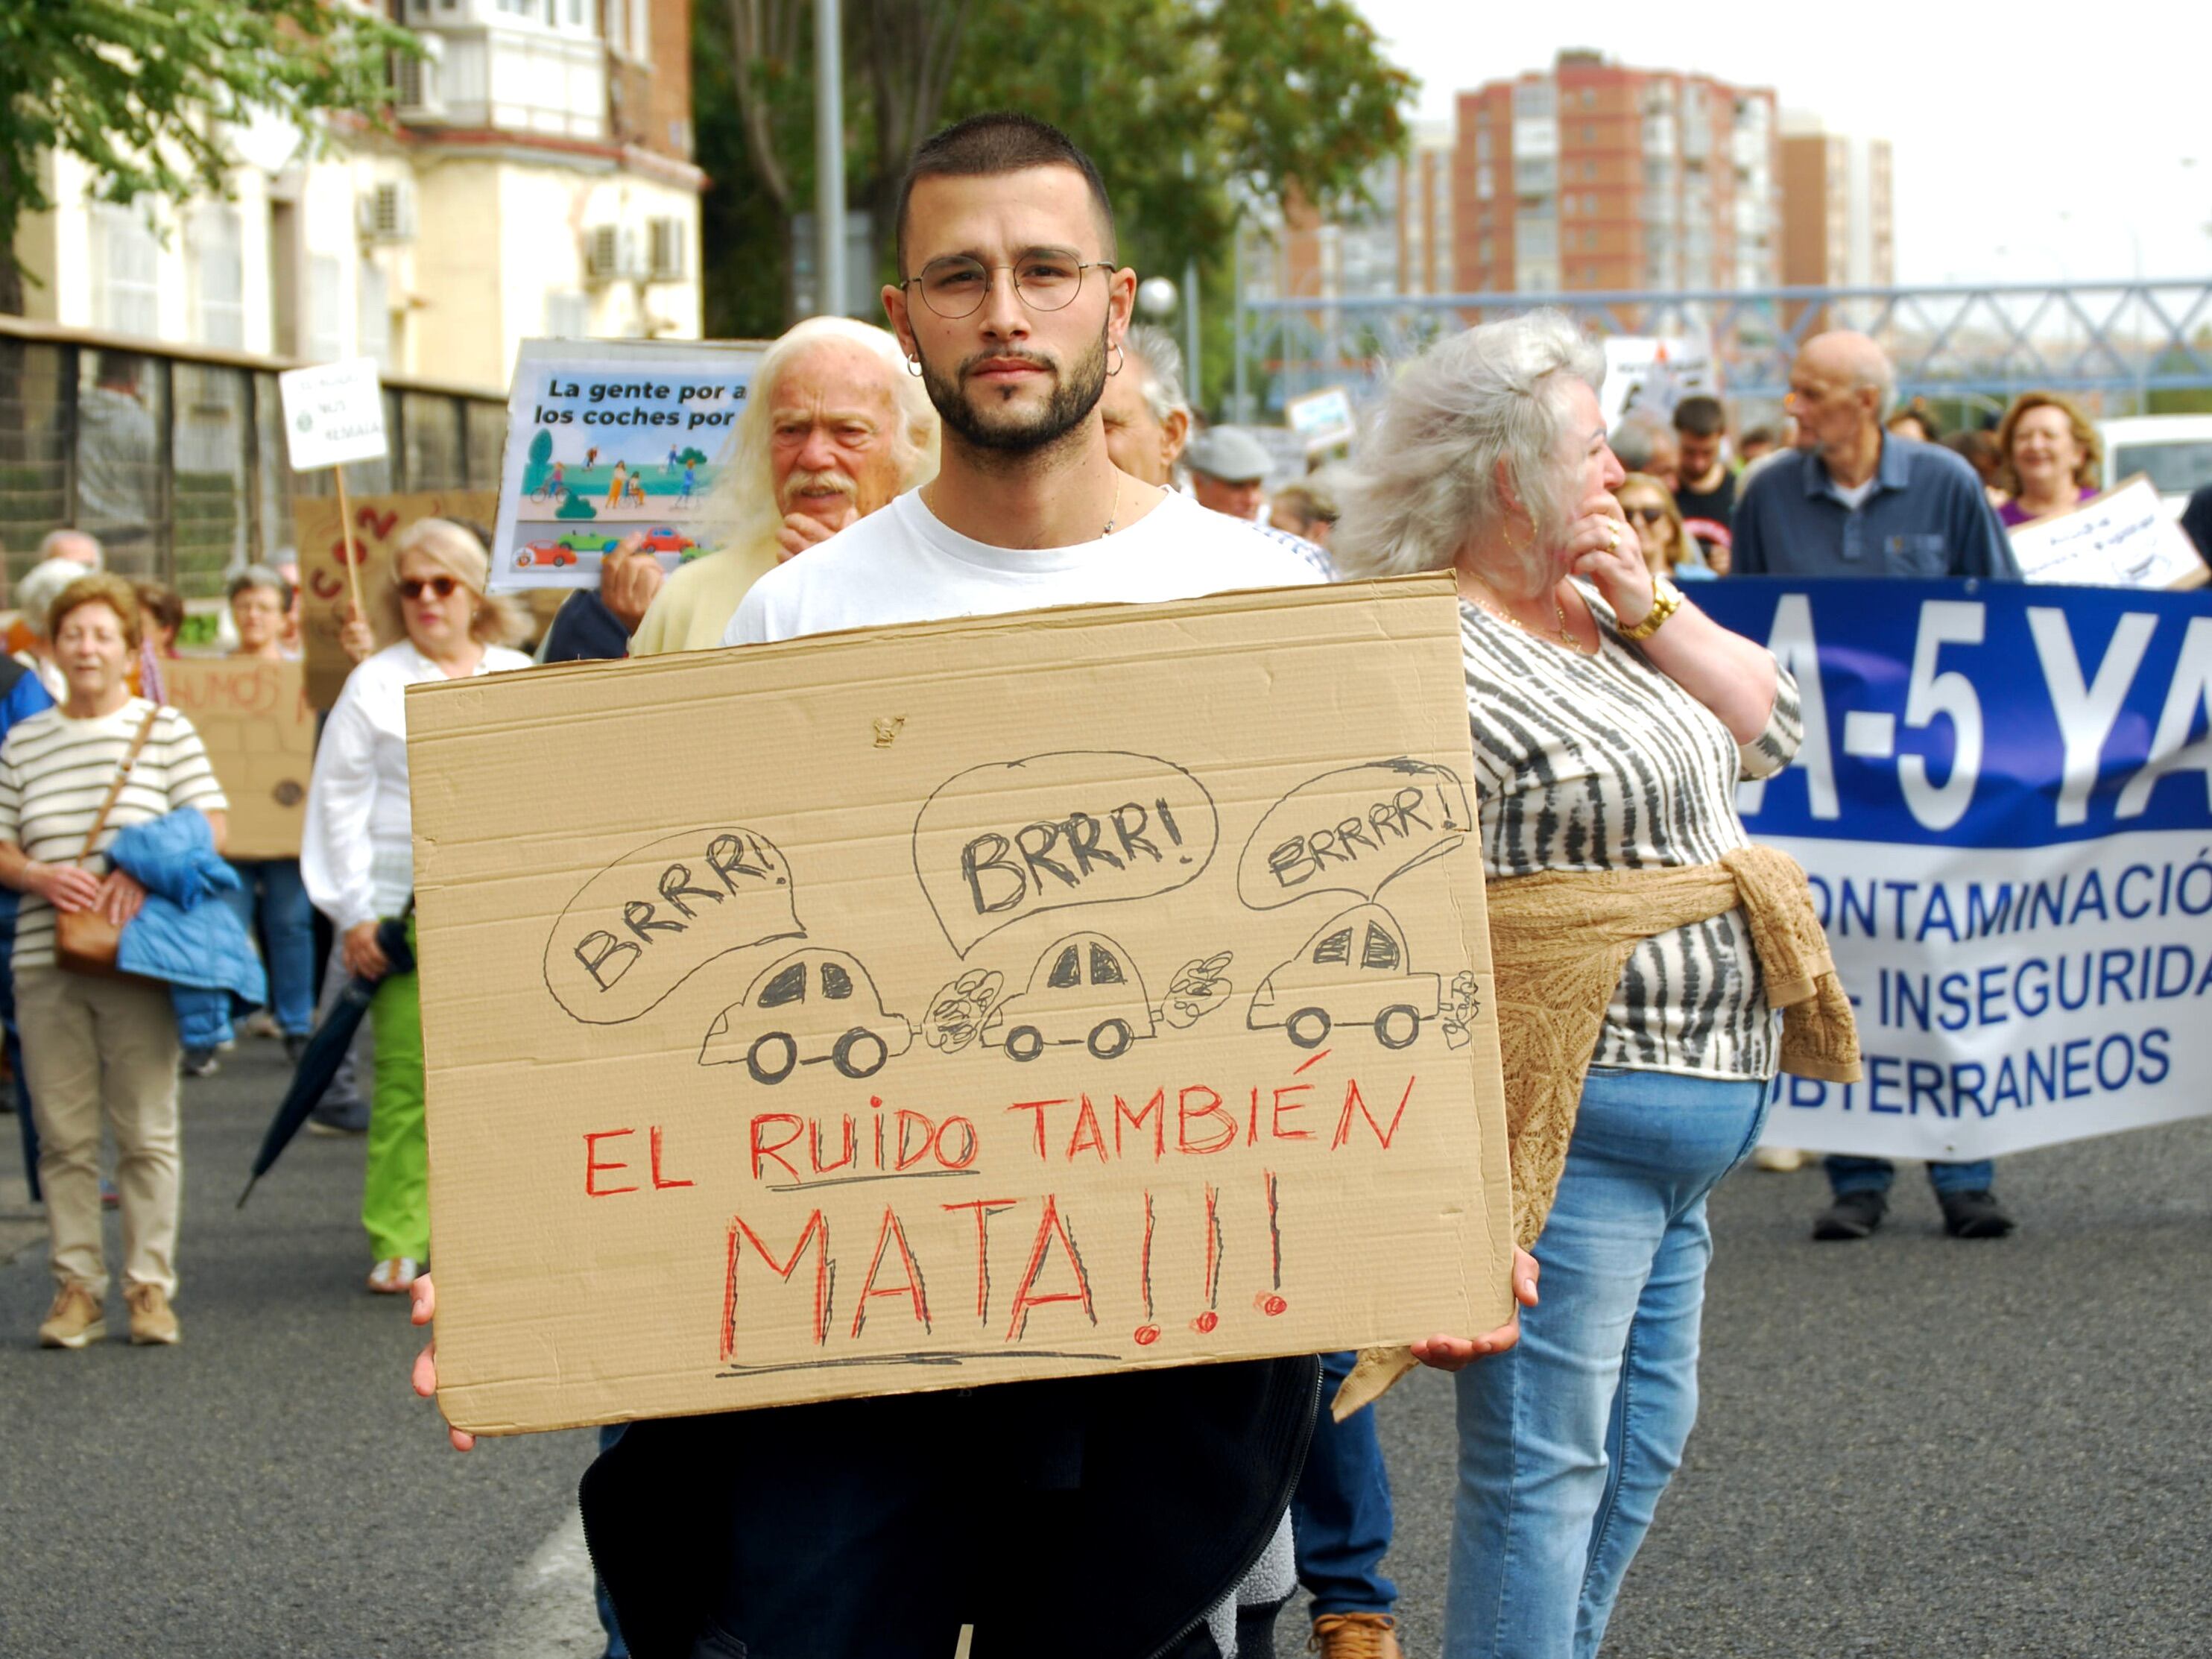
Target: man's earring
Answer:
[[1122, 359], [913, 367]]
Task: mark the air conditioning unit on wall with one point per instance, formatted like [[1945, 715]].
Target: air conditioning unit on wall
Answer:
[[387, 212], [671, 246], [611, 254], [415, 93]]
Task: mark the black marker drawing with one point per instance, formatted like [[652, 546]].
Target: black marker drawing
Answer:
[[997, 843], [1086, 989], [958, 1013], [1462, 1009], [1354, 971], [1353, 831], [656, 915], [813, 1007]]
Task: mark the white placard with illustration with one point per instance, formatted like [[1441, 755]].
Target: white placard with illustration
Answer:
[[2121, 538], [608, 439], [333, 414], [1648, 376]]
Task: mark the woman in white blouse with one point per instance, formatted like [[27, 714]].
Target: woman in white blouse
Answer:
[[1611, 721], [357, 851]]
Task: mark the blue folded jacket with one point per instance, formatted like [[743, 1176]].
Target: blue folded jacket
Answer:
[[184, 933]]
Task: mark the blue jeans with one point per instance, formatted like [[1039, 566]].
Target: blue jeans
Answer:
[[272, 888], [1567, 1439], [1874, 1175], [617, 1648], [1341, 1513]]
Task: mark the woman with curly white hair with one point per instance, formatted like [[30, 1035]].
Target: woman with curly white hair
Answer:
[[1640, 946]]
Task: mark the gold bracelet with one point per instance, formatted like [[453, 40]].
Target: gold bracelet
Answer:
[[1666, 600]]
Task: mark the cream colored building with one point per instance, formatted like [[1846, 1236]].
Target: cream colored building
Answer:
[[535, 179]]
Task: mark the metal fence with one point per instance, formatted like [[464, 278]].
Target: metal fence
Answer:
[[2117, 342], [175, 456]]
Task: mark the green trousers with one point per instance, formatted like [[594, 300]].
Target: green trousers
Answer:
[[395, 1193]]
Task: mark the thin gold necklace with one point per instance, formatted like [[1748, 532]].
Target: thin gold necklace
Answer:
[[1566, 634]]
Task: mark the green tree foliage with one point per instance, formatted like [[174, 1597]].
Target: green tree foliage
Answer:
[[574, 506], [143, 90], [540, 459], [1268, 99]]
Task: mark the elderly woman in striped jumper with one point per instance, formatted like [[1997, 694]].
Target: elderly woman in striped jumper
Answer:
[[1641, 947]]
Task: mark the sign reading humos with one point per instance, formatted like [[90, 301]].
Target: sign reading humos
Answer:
[[955, 1004]]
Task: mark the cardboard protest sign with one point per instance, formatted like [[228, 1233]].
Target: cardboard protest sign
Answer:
[[956, 1004], [611, 438], [2121, 538], [325, 602], [259, 730]]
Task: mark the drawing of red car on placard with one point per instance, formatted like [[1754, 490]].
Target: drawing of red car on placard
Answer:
[[811, 1007], [664, 538], [551, 555], [1352, 972]]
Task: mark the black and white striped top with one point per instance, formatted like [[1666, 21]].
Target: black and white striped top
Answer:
[[1604, 763], [55, 771]]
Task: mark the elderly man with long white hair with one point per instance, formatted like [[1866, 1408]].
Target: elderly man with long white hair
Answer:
[[834, 427], [1640, 946]]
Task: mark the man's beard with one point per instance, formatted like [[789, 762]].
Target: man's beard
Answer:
[[1073, 397]]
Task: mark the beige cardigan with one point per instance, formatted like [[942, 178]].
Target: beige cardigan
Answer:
[[1560, 939]]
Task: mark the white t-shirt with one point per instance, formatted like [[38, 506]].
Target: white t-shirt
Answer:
[[903, 565]]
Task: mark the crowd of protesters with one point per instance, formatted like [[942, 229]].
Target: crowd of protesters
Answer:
[[914, 473]]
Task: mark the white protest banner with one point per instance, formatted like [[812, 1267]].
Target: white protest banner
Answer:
[[2122, 538], [333, 414], [2004, 801], [1646, 375], [606, 439]]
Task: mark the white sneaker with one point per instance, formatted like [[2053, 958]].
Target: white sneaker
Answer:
[[1781, 1159], [393, 1276]]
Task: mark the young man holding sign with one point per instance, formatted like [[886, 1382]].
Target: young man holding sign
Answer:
[[919, 1524]]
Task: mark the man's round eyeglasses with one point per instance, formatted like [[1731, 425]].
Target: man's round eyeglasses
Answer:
[[1044, 280]]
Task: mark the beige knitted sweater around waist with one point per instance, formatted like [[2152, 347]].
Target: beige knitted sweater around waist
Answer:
[[1558, 940]]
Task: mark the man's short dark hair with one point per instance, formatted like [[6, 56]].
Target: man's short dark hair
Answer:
[[1700, 417], [1000, 142]]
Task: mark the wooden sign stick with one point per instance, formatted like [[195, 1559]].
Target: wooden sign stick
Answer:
[[345, 528]]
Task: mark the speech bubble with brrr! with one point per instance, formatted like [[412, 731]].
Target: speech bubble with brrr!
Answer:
[[1353, 831], [1079, 826], [655, 917]]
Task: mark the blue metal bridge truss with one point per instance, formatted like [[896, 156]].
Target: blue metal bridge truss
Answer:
[[2114, 342]]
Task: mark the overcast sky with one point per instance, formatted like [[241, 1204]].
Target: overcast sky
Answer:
[[2033, 142]]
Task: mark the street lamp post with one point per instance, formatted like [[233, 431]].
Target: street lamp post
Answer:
[[829, 160]]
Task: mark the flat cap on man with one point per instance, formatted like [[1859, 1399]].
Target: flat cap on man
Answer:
[[1228, 453]]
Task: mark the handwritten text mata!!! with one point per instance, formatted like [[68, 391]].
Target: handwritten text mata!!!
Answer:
[[1034, 1238]]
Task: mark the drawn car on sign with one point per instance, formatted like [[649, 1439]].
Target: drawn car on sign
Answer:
[[1352, 972], [811, 1008], [664, 538], [548, 554], [1084, 989], [588, 541]]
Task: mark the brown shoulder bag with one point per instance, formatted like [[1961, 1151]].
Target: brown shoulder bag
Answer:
[[85, 941]]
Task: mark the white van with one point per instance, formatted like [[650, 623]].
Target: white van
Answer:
[[2174, 449]]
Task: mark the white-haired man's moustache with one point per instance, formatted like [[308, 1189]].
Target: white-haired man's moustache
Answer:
[[798, 485]]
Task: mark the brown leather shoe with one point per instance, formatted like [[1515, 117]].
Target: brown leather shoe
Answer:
[[1355, 1635], [152, 1321], [75, 1320]]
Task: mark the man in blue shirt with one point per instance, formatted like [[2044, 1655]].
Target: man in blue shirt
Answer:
[[1862, 501], [21, 695]]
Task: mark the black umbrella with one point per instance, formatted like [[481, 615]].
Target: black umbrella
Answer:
[[325, 1051]]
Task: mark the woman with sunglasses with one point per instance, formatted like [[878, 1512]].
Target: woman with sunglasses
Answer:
[[357, 858], [1668, 548]]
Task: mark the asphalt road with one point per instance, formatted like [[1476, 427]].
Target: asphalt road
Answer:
[[1911, 1446]]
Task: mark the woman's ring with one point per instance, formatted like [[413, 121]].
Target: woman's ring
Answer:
[[1612, 539]]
